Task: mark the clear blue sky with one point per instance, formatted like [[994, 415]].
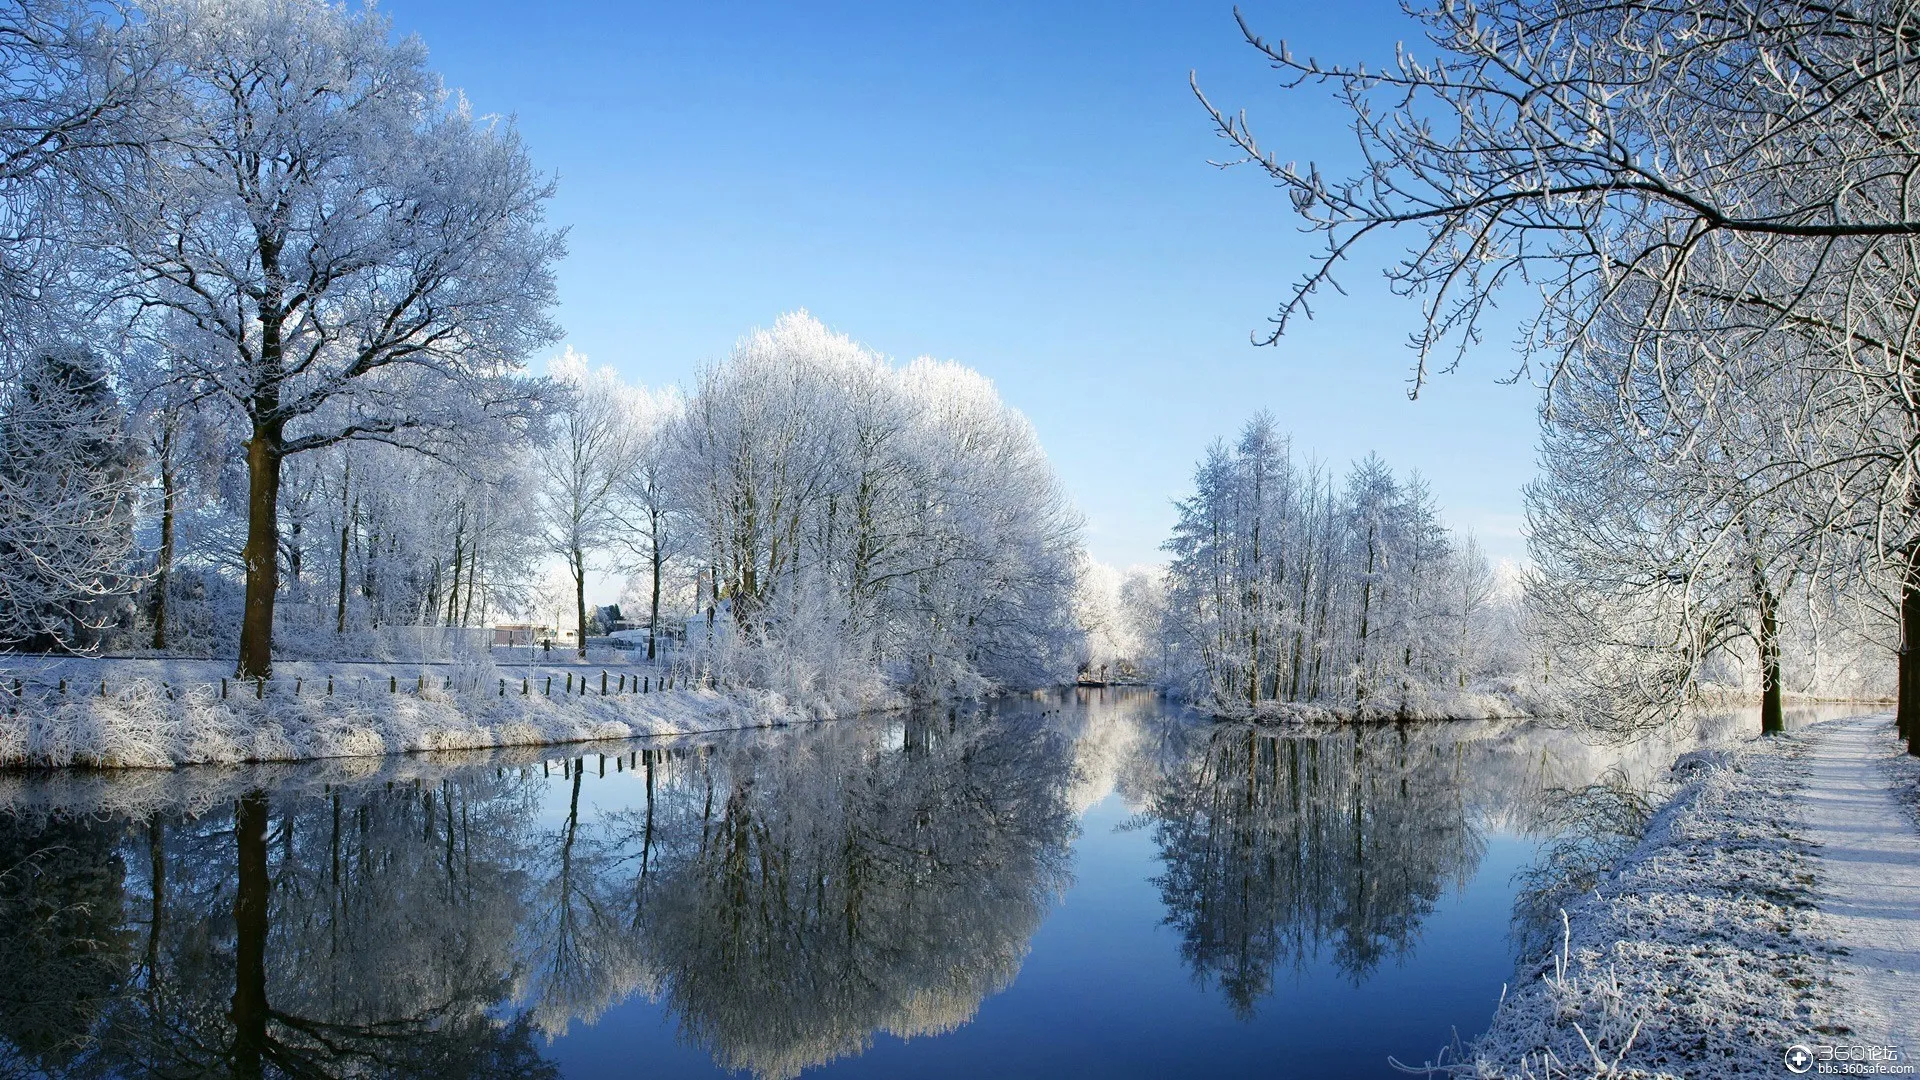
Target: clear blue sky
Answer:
[[1020, 187]]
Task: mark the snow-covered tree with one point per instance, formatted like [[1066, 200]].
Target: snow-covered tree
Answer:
[[853, 520], [1284, 587], [359, 255], [1659, 179], [68, 494], [651, 514], [585, 469]]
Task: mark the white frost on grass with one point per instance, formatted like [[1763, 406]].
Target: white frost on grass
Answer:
[[143, 722], [1697, 957]]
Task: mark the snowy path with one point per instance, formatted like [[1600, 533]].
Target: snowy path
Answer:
[[1869, 865]]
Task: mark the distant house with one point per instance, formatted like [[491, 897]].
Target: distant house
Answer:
[[607, 619], [520, 634]]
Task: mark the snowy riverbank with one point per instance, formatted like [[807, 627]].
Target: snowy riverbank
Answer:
[[160, 714], [1703, 954], [1416, 703]]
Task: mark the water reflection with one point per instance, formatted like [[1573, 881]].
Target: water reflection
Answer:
[[785, 898], [1281, 847], [794, 912]]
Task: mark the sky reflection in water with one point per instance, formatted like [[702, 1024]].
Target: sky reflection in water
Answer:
[[1094, 886]]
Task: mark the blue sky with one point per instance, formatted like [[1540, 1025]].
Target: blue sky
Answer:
[[1020, 187]]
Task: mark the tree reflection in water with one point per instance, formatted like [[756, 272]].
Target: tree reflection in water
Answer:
[[785, 896], [786, 899], [1281, 848]]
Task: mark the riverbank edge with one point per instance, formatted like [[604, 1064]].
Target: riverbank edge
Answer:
[[142, 723], [1699, 955], [1500, 704]]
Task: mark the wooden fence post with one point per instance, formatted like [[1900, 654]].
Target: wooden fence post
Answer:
[[603, 682]]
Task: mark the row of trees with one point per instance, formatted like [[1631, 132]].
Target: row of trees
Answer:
[[276, 288], [1709, 209], [278, 235], [840, 519], [1288, 586]]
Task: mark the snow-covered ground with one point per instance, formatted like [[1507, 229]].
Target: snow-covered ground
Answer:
[[1702, 955], [164, 713], [1774, 901], [1869, 875]]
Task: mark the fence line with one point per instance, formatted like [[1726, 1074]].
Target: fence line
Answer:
[[623, 684]]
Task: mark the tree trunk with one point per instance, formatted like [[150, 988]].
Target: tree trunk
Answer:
[[261, 553], [157, 883], [473, 575], [249, 1013], [1908, 713], [163, 562], [453, 592], [1772, 714], [346, 536], [653, 613], [579, 568]]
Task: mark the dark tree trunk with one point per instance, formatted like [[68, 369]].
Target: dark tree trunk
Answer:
[[163, 562], [453, 591], [1908, 714], [346, 536], [1772, 713], [250, 937], [473, 575], [579, 568], [157, 881], [653, 612], [262, 549]]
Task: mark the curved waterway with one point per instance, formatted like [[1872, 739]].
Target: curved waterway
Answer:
[[1095, 884]]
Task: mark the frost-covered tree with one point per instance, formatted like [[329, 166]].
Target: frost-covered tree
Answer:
[[1285, 587], [650, 499], [74, 107], [1665, 531], [398, 538], [359, 256], [859, 524], [68, 494], [1655, 175], [585, 468]]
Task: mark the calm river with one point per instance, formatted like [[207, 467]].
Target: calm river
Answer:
[[1088, 885]]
